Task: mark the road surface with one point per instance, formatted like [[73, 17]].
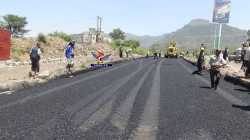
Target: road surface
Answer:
[[143, 99]]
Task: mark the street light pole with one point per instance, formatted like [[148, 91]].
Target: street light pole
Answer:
[[219, 37], [214, 38]]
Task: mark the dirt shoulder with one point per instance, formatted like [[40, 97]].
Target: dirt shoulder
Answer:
[[14, 73]]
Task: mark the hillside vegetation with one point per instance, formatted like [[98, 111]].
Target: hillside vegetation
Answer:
[[194, 33]]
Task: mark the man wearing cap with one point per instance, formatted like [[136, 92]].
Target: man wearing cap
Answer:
[[200, 62], [215, 62]]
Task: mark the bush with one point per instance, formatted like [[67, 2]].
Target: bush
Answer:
[[84, 65], [42, 49], [42, 38], [13, 48], [21, 51], [28, 49], [62, 35], [15, 58]]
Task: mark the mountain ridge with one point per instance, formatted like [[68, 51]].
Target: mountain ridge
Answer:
[[194, 33]]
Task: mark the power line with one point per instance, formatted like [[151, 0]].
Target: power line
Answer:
[[42, 9]]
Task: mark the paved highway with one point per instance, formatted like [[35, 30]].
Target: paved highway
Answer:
[[143, 99]]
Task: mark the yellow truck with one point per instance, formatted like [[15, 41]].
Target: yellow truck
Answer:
[[173, 50]]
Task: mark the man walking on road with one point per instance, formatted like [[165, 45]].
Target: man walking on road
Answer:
[[69, 53], [200, 62], [35, 57], [215, 63]]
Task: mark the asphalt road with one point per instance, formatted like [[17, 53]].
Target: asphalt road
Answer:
[[143, 99]]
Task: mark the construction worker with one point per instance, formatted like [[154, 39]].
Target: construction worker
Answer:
[[215, 63], [147, 53], [155, 54], [200, 62]]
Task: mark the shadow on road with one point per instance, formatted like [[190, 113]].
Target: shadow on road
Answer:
[[205, 87], [246, 108], [243, 90]]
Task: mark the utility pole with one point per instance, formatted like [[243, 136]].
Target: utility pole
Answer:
[[99, 28], [219, 37], [214, 38]]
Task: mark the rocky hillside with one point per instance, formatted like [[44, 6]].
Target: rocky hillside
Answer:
[[55, 48]]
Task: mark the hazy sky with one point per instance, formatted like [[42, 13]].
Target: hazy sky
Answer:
[[140, 17]]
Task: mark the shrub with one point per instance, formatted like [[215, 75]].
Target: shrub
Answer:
[[84, 65], [62, 35], [28, 49], [42, 38], [15, 58], [13, 48], [42, 49]]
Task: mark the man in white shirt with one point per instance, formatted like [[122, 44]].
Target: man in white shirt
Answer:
[[215, 62]]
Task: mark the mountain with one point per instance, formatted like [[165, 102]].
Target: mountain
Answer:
[[196, 32], [145, 41]]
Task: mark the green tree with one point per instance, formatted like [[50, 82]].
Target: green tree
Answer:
[[117, 34], [42, 38], [154, 47], [1, 25], [248, 33], [15, 24], [131, 43]]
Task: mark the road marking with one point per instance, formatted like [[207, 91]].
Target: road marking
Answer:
[[49, 91], [148, 126], [121, 117], [219, 90]]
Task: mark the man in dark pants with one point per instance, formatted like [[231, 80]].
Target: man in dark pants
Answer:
[[200, 62], [120, 51], [35, 57], [215, 62]]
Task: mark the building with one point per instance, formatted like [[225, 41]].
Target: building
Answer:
[[91, 37]]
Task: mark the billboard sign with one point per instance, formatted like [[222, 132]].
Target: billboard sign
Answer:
[[221, 11]]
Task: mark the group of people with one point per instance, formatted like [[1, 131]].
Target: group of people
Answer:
[[155, 54], [216, 61], [35, 57]]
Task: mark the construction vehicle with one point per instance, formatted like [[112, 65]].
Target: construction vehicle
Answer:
[[173, 50]]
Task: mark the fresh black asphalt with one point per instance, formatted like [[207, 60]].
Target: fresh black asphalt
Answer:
[[142, 99]]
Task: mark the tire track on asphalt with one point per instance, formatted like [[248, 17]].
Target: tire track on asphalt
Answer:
[[220, 91], [148, 126], [120, 118], [85, 113], [71, 111], [49, 91]]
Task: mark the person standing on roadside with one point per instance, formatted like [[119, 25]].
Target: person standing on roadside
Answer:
[[35, 58], [226, 54], [244, 57], [69, 53], [200, 62], [215, 63], [120, 50]]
